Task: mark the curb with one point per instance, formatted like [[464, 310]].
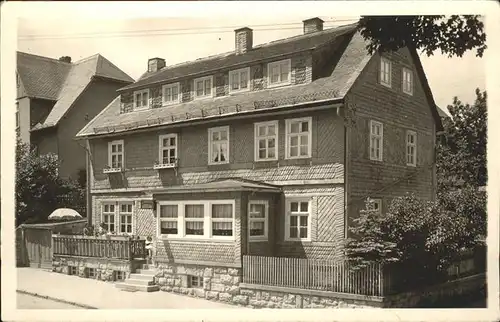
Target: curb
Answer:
[[56, 299]]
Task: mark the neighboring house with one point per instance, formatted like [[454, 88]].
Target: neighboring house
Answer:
[[264, 150], [57, 98]]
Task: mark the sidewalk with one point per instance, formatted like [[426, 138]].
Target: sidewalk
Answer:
[[103, 295]]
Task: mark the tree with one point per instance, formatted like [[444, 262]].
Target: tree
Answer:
[[38, 185], [453, 35], [461, 153]]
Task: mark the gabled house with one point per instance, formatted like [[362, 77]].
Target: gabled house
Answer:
[[264, 150], [57, 98]]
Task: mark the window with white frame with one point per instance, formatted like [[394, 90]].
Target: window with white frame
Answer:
[[376, 141], [222, 219], [196, 219], [115, 154], [18, 119], [239, 80], [203, 87], [169, 217], [125, 218], [278, 73], [298, 219], [385, 71], [168, 149], [298, 138], [411, 148], [407, 81], [108, 217], [171, 94], [257, 219], [194, 216], [141, 99], [218, 145], [266, 139], [376, 204]]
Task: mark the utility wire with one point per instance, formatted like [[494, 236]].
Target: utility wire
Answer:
[[163, 32]]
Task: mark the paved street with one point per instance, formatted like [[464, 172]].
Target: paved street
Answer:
[[25, 301], [102, 295]]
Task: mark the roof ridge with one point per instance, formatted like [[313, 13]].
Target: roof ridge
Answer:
[[220, 55], [86, 59], [44, 57]]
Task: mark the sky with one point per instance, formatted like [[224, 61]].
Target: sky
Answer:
[[129, 43]]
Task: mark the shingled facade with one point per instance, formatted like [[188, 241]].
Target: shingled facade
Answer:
[[265, 150]]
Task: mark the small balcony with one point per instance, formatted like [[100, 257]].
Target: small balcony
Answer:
[[166, 163], [112, 170]]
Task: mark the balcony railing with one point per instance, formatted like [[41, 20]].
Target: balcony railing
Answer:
[[116, 247]]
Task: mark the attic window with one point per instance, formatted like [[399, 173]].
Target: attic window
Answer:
[[407, 81], [278, 73], [385, 71], [239, 80], [203, 87], [141, 100], [171, 94]]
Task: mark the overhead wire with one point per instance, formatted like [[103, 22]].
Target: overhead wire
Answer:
[[164, 32]]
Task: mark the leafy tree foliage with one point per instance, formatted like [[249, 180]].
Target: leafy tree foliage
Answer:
[[38, 186], [461, 153], [453, 35]]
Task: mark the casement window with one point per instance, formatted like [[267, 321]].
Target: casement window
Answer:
[[171, 94], [385, 72], [203, 87], [218, 145], [141, 100], [279, 73], [239, 80], [196, 219], [298, 219], [116, 154], [169, 217], [376, 204], [195, 281], [407, 81], [108, 217], [125, 218], [258, 213], [376, 141], [194, 216], [266, 141], [168, 149], [117, 216], [298, 138], [411, 148]]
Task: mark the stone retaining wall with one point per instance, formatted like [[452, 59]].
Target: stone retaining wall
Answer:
[[104, 268], [224, 285]]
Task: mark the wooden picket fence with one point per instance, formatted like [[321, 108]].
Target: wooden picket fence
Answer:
[[322, 275]]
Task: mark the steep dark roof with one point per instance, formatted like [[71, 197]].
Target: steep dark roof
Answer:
[[331, 88], [229, 59], [52, 79]]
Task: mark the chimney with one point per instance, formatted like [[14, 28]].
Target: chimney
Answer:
[[243, 40], [312, 25], [65, 59], [155, 64]]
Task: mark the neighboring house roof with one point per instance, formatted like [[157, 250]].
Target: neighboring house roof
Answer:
[[62, 82], [330, 88], [442, 112], [260, 52]]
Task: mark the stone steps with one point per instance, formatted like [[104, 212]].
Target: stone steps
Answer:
[[143, 280]]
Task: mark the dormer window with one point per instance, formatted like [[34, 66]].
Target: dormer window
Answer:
[[203, 87], [171, 94], [239, 80], [278, 73], [141, 100]]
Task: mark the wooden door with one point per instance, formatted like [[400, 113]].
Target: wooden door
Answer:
[[39, 247]]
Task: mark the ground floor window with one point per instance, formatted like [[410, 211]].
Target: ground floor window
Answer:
[[196, 219], [119, 275], [91, 272], [298, 219], [257, 220], [117, 216], [72, 270]]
